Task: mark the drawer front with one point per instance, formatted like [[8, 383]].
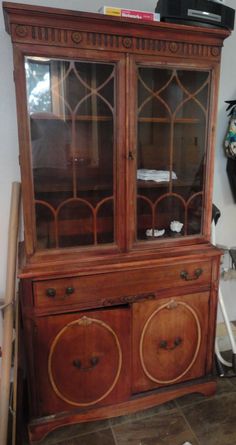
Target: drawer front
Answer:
[[119, 287]]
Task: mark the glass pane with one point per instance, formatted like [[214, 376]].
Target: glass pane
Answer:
[[171, 147], [71, 110]]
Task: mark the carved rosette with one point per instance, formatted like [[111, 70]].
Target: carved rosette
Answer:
[[76, 37], [215, 51], [173, 47], [127, 42], [21, 31]]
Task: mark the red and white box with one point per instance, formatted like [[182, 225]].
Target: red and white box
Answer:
[[130, 13]]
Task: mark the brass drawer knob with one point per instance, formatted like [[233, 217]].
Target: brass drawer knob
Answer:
[[93, 361], [51, 292], [170, 346], [70, 290], [196, 274]]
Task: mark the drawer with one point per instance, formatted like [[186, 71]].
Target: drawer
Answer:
[[119, 287]]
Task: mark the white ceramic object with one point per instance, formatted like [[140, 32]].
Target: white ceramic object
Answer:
[[176, 226], [156, 233]]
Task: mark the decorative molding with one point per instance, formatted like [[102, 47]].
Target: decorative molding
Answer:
[[172, 304], [47, 35], [98, 40], [84, 321], [127, 300]]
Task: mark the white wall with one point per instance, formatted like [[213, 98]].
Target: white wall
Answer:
[[9, 168]]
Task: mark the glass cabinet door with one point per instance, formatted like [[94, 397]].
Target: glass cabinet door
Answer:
[[71, 110], [172, 109]]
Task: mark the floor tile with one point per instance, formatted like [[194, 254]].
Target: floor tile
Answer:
[[223, 387], [232, 381], [143, 414], [71, 431], [104, 437], [213, 420], [163, 429]]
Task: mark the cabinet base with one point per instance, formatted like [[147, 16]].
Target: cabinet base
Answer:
[[39, 428]]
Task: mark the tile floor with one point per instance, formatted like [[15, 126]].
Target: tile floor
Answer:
[[194, 418]]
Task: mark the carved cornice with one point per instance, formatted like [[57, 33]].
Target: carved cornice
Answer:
[[52, 36]]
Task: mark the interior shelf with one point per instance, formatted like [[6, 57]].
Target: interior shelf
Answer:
[[83, 118], [163, 120]]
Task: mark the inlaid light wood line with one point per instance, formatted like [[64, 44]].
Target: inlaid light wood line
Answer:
[[162, 307], [84, 321]]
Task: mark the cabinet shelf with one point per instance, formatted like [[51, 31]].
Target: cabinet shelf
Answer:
[[89, 118], [163, 120], [175, 183], [78, 118], [45, 186]]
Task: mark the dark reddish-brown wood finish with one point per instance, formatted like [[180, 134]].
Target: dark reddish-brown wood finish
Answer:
[[116, 328]]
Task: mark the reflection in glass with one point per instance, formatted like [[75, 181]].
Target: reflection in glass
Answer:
[[71, 118], [171, 147]]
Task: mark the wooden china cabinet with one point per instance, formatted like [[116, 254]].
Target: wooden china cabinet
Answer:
[[118, 278]]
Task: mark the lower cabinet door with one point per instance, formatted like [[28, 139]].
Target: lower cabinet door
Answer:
[[169, 340], [82, 360]]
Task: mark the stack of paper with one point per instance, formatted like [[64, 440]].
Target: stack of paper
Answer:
[[155, 175]]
